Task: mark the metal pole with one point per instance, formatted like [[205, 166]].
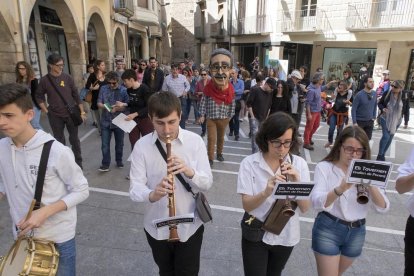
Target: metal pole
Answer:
[[231, 23]]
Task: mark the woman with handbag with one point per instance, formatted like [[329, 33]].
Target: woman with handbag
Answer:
[[25, 75], [94, 83], [339, 230], [267, 253]]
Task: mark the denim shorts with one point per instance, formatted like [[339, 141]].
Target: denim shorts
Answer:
[[333, 238]]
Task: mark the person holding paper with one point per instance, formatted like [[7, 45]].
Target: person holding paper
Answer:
[[257, 178], [109, 95], [138, 94], [150, 185], [404, 184], [338, 233]]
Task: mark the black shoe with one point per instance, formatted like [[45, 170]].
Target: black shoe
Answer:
[[231, 133], [103, 169], [211, 163], [250, 134], [308, 147], [311, 142], [236, 137], [120, 165], [220, 157], [380, 157], [203, 134]]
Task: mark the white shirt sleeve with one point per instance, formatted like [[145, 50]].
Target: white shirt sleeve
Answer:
[[323, 185], [138, 190], [203, 178]]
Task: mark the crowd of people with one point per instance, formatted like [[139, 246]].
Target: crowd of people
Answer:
[[222, 95]]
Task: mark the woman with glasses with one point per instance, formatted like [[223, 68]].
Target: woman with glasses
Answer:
[[338, 233], [141, 69], [25, 75], [281, 98], [390, 106], [256, 183]]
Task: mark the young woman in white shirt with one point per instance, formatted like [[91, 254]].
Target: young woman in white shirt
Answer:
[[258, 175], [339, 230]]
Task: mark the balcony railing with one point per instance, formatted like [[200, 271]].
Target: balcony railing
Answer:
[[381, 15], [261, 24], [124, 7], [315, 21]]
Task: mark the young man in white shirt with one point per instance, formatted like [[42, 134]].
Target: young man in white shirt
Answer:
[[64, 185], [150, 184]]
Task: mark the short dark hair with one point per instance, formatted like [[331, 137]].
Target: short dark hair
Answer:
[[174, 66], [275, 126], [365, 80], [162, 104], [16, 93], [129, 74], [54, 58], [349, 132], [152, 58], [112, 75]]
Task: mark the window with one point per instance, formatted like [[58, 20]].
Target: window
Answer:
[[143, 4], [308, 8]]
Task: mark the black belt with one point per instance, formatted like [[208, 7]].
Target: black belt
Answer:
[[352, 224]]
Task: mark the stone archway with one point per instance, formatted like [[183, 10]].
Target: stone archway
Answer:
[[102, 46], [7, 53], [119, 43]]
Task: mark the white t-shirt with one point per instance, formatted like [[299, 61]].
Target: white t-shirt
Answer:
[[328, 176], [405, 169], [254, 173]]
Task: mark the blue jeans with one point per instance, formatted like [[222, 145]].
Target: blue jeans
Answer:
[[36, 119], [332, 126], [385, 141], [331, 238], [183, 101], [67, 259], [106, 143]]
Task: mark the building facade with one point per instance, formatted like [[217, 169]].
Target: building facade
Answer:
[[79, 30], [317, 33]]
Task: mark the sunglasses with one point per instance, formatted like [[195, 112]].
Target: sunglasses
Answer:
[[203, 74], [21, 68], [143, 64], [369, 96], [393, 86]]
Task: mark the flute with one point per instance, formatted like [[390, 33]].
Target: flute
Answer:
[[171, 198], [287, 209]]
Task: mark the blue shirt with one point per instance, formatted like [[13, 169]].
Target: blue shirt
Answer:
[[313, 98], [110, 96], [364, 106], [238, 88]]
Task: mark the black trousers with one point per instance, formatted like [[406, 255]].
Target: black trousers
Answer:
[[260, 259], [58, 128], [177, 258], [367, 126], [409, 247]]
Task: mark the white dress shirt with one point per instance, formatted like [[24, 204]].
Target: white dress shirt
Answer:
[[253, 176], [148, 168], [328, 176], [405, 169]]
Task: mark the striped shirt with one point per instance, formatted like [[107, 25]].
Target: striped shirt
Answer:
[[178, 86]]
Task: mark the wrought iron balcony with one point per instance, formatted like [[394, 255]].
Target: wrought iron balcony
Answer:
[[307, 21], [261, 24], [124, 7], [390, 14]]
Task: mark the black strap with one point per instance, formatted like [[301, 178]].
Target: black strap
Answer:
[[57, 90], [179, 176], [41, 173]]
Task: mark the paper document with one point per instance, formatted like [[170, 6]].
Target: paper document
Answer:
[[120, 122]]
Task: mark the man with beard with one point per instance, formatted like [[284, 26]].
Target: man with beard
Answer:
[[364, 107], [217, 104], [153, 76]]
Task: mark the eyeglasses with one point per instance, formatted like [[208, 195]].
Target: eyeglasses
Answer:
[[60, 65], [203, 74], [112, 82], [143, 64], [393, 86], [351, 150], [278, 144], [216, 67]]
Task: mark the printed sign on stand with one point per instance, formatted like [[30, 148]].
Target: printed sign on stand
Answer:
[[297, 190]]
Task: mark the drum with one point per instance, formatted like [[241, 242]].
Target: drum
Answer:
[[34, 257]]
